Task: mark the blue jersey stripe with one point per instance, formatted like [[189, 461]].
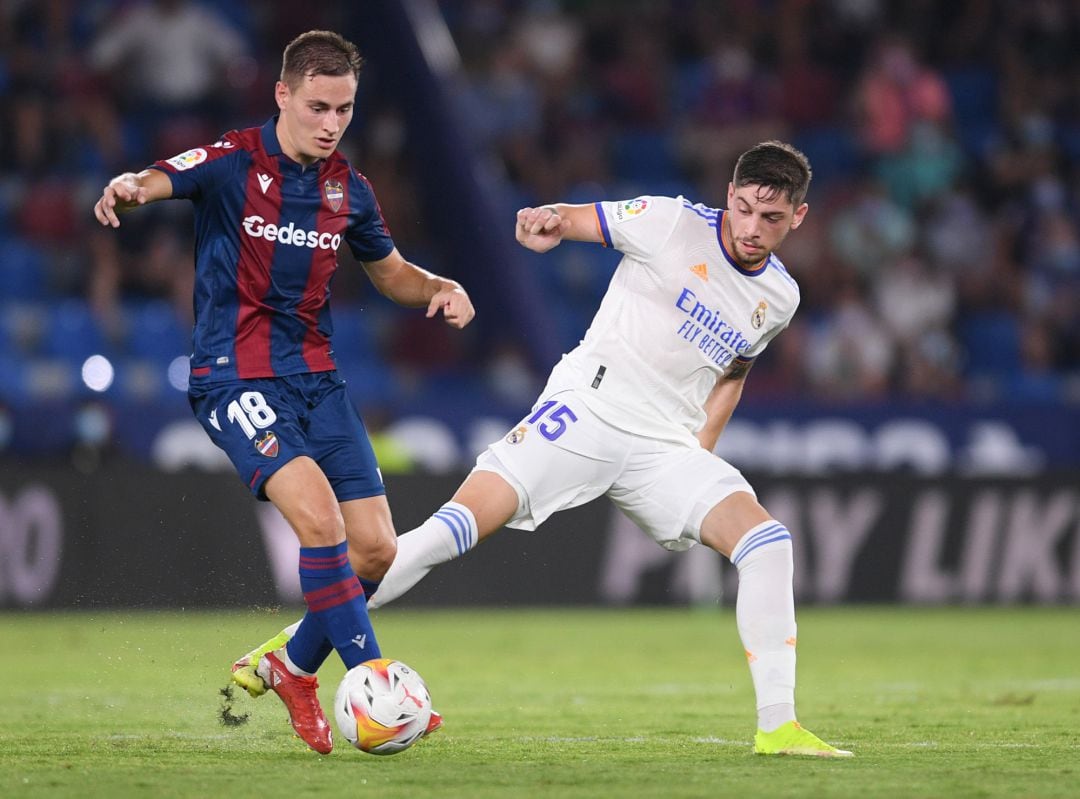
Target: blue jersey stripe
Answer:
[[602, 221]]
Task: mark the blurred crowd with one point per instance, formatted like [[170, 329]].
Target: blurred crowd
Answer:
[[941, 256], [940, 259]]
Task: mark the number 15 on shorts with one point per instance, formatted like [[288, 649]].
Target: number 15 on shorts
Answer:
[[552, 419]]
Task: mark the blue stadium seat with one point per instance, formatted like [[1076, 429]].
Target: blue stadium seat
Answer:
[[974, 93], [832, 152], [644, 156], [73, 333], [22, 270], [13, 386], [991, 341], [22, 326], [155, 332]]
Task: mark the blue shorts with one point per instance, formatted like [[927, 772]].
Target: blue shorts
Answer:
[[264, 423]]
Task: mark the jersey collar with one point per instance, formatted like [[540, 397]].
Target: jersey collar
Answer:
[[269, 137]]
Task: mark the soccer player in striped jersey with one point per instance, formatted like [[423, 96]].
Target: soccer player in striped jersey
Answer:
[[272, 206], [635, 410]]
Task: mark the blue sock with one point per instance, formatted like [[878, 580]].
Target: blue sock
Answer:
[[369, 586], [336, 600], [309, 647]]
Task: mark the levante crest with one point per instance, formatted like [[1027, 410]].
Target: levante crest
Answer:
[[335, 194]]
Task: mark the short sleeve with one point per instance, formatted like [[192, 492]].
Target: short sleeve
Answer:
[[197, 171], [638, 227], [368, 236]]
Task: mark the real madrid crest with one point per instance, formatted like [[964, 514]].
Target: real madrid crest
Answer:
[[517, 435], [335, 194], [757, 318]]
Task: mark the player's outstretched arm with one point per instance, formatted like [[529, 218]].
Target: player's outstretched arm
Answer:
[[407, 284], [541, 229], [128, 191]]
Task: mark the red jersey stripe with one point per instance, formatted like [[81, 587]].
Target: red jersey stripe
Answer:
[[333, 184], [253, 317]]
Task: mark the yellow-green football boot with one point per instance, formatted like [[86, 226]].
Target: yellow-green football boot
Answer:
[[244, 670], [792, 739]]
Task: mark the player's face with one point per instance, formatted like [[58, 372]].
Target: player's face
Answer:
[[758, 220], [314, 115]]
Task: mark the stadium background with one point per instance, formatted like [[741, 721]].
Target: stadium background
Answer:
[[917, 426]]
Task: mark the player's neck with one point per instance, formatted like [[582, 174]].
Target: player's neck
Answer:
[[290, 151]]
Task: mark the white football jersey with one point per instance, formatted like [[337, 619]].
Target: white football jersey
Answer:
[[679, 311]]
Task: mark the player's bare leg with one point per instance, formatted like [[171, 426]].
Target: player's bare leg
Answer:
[[760, 548], [337, 613], [372, 544], [480, 507], [369, 528]]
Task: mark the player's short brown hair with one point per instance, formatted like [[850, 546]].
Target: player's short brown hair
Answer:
[[319, 53], [776, 166]]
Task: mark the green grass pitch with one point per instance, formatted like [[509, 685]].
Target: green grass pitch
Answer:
[[555, 703]]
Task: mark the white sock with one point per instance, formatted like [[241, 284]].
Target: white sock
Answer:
[[449, 533], [283, 655], [765, 612]]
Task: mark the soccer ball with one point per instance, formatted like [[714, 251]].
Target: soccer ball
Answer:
[[382, 706]]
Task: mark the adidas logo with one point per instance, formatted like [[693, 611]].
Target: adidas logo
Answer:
[[701, 270]]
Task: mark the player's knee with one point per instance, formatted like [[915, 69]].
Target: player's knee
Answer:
[[372, 559], [317, 527], [729, 520]]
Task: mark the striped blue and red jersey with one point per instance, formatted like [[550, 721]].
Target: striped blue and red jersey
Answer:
[[267, 231]]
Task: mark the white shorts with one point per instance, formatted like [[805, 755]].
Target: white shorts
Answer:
[[562, 455]]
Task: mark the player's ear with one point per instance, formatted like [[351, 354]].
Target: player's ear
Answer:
[[800, 214], [281, 94]]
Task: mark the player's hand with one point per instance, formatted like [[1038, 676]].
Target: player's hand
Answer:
[[122, 193], [540, 229], [456, 306]]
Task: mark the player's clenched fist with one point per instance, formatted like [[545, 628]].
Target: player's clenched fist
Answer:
[[540, 229]]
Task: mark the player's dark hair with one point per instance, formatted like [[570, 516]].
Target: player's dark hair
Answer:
[[776, 166], [319, 53]]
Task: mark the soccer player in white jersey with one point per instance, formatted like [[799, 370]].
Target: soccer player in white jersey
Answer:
[[635, 410]]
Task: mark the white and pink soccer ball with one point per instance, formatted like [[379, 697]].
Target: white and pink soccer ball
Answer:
[[382, 706]]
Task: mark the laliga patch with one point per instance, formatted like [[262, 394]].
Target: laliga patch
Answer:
[[334, 194], [517, 435], [267, 444], [188, 160], [757, 318], [631, 209]]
